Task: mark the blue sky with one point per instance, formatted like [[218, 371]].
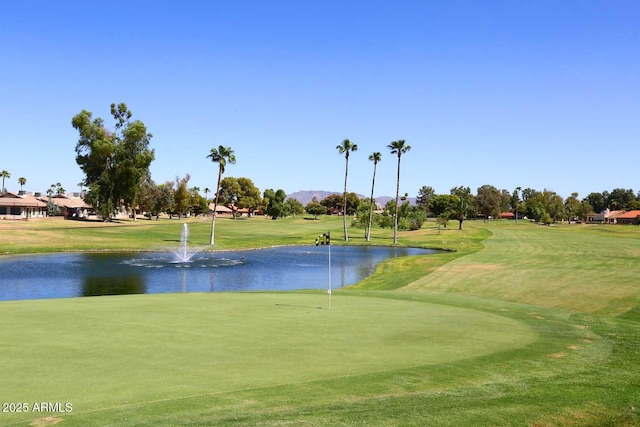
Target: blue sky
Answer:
[[542, 94]]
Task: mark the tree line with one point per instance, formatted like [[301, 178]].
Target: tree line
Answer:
[[116, 168]]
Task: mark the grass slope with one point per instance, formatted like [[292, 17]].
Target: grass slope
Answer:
[[589, 269]]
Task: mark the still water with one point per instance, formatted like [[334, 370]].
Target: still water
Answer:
[[284, 268]]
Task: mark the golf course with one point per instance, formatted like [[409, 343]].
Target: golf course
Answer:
[[510, 324]]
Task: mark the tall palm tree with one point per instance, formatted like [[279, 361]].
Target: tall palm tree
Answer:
[[345, 148], [4, 174], [375, 158], [221, 155], [398, 147], [206, 192], [22, 181]]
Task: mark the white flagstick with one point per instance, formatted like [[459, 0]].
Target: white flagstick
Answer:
[[329, 291]]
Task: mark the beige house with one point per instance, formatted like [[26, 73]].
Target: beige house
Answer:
[[21, 206], [220, 209], [70, 207], [614, 217]]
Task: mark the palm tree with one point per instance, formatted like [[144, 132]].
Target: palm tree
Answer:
[[398, 147], [221, 156], [206, 191], [375, 158], [4, 174], [345, 148], [22, 181]]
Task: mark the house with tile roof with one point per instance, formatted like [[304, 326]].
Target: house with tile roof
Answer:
[[70, 207], [630, 217], [614, 217], [21, 206]]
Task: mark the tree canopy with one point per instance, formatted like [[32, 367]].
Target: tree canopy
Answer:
[[114, 161]]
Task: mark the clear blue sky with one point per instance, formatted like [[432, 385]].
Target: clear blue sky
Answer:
[[541, 94]]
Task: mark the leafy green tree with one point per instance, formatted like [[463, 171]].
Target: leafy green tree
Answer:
[[598, 201], [165, 199], [416, 216], [540, 204], [505, 201], [346, 147], [398, 147], [4, 174], [554, 205], [333, 203], [353, 201], [294, 206], [425, 194], [386, 219], [488, 201], [462, 204], [52, 208], [240, 193], [182, 196], [362, 218], [619, 198], [230, 193], [572, 207], [221, 155], [443, 221], [375, 158], [199, 204], [441, 203], [133, 156], [147, 195], [315, 208], [250, 197], [274, 202], [114, 163]]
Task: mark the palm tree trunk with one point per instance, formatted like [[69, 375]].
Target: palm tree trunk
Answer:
[[215, 207], [395, 219], [373, 183], [344, 208]]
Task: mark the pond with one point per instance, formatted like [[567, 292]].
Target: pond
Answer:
[[282, 268]]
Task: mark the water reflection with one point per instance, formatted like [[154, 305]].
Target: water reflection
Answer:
[[97, 286], [285, 268]]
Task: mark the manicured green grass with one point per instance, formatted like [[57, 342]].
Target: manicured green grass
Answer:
[[520, 325], [129, 351], [589, 269]]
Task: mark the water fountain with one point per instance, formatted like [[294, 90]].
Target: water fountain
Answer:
[[184, 253]]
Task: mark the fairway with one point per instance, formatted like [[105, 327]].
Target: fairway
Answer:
[[128, 351]]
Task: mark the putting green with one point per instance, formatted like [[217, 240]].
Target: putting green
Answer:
[[107, 352]]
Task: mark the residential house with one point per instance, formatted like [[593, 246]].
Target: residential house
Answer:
[[70, 207], [631, 217], [21, 206], [613, 217], [220, 209]]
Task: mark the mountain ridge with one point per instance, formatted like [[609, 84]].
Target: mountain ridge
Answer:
[[305, 196]]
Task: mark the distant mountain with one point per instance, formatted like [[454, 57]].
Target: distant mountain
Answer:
[[305, 197]]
